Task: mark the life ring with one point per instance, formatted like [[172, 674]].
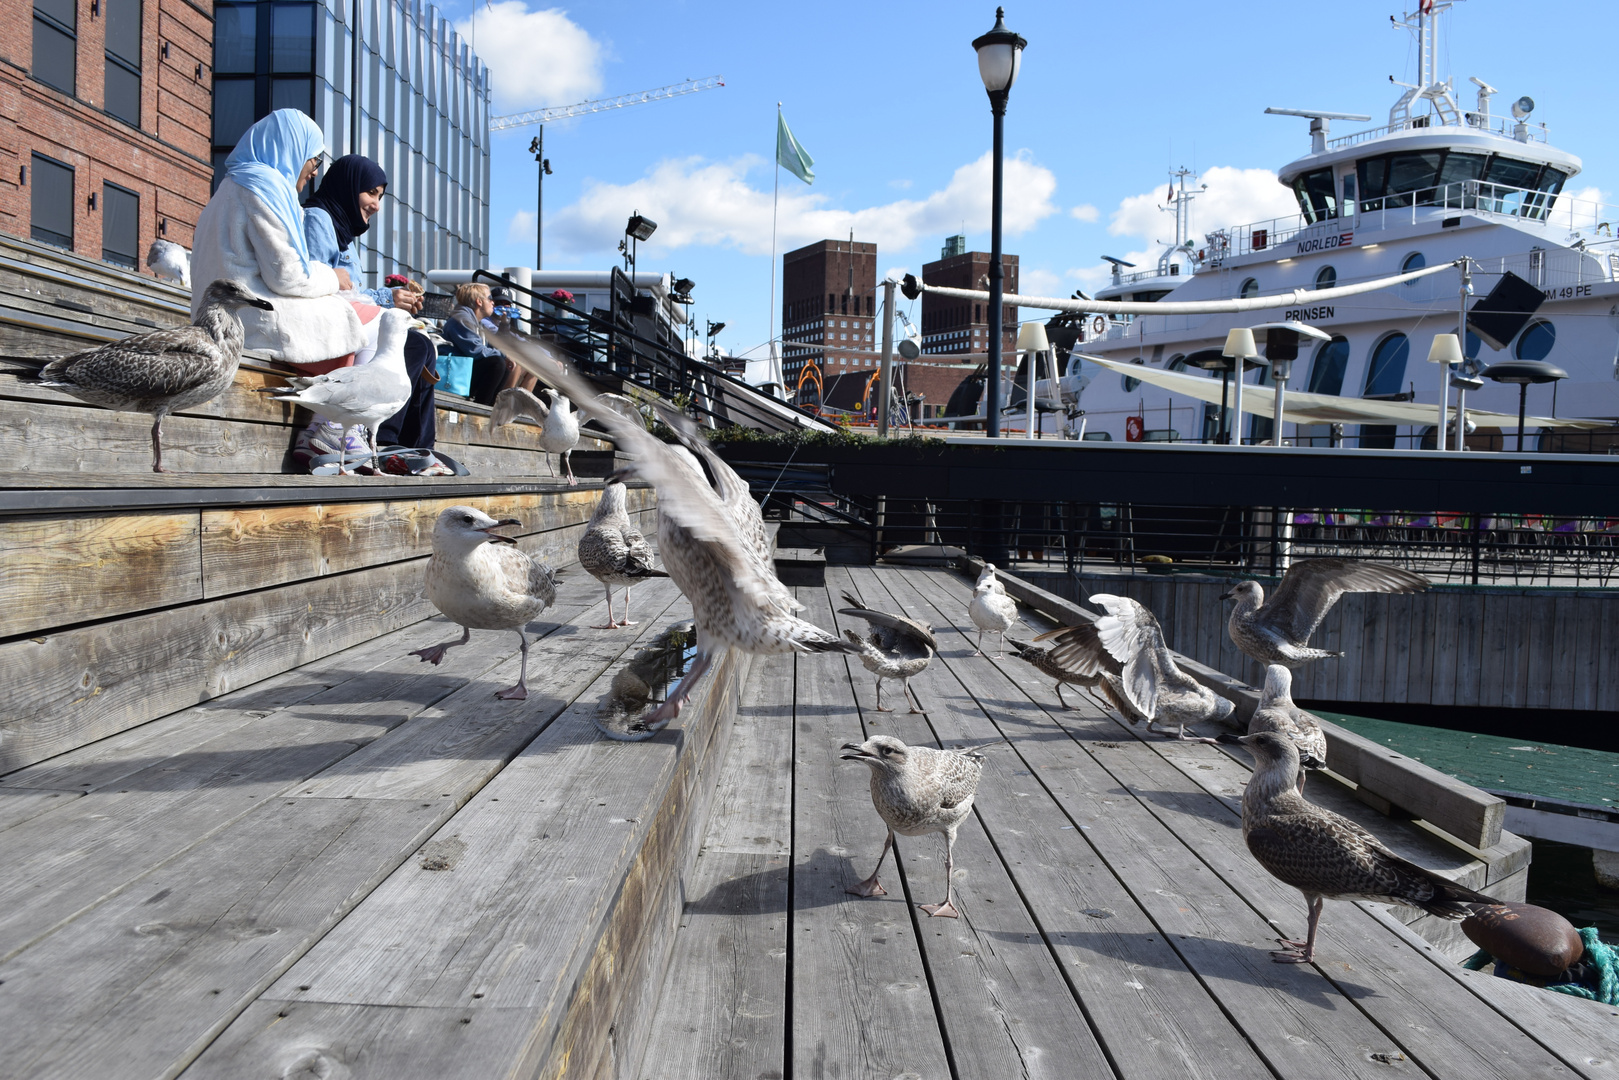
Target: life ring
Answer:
[[1098, 325], [1134, 427]]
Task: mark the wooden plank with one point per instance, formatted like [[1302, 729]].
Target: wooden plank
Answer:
[[842, 1025], [1375, 632], [1538, 668], [1401, 647], [1430, 1022], [140, 986], [722, 1010], [1447, 613], [1591, 664], [1607, 681], [18, 804], [1348, 621], [1004, 1004], [1294, 1017], [1558, 693], [77, 566], [1470, 629], [1500, 639], [1422, 639]]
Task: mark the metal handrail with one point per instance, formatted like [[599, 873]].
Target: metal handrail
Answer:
[[1476, 122]]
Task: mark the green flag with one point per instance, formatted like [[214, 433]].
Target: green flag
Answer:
[[791, 156]]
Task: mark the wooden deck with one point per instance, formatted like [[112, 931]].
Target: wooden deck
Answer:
[[368, 867]]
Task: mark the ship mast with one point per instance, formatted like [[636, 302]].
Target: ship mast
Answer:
[[1424, 23]]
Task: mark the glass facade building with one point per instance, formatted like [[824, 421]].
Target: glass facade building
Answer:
[[404, 90]]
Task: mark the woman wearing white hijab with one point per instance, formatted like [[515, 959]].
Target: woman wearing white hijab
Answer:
[[252, 231]]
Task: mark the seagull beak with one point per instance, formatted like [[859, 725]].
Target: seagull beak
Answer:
[[620, 476], [1228, 595], [1229, 738], [857, 752], [505, 521], [262, 304], [499, 538]]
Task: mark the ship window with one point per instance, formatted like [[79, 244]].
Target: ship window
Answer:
[[1326, 278], [1317, 199], [1129, 383], [1327, 372], [1176, 363], [1460, 167], [1374, 176], [1511, 173], [1249, 288], [1414, 261], [1386, 373], [1537, 341]]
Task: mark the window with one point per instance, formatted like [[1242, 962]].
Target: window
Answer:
[[120, 226], [1176, 363], [1129, 383], [1326, 278], [1386, 372], [1327, 371], [50, 185], [56, 40], [1414, 261], [122, 94], [264, 59], [1317, 199], [1249, 288], [1536, 341]]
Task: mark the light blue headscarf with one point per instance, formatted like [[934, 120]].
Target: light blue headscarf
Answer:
[[267, 161]]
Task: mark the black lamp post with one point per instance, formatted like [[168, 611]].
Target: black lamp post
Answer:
[[1000, 54], [640, 228], [537, 148], [1522, 373]]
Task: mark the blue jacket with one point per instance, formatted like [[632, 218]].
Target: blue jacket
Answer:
[[321, 239]]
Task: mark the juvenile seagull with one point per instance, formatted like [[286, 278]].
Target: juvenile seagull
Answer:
[[1279, 632], [559, 424], [897, 647], [1150, 682], [164, 371], [169, 260], [613, 551], [735, 596], [1326, 856], [733, 491], [479, 579], [1276, 712], [916, 790], [991, 609], [1045, 661], [364, 396]]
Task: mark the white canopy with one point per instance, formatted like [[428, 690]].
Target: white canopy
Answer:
[[1302, 408]]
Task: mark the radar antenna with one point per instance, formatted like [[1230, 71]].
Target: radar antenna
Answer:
[[1319, 128]]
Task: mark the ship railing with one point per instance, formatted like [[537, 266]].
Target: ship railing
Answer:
[[1509, 129]]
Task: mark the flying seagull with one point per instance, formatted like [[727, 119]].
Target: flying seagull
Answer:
[[735, 596], [1150, 681], [479, 579], [896, 647], [916, 790], [1327, 856], [1279, 632], [559, 424], [164, 371], [613, 551]]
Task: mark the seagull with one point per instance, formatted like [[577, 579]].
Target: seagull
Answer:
[[897, 648], [1279, 632], [559, 425], [987, 576], [169, 260], [613, 551], [991, 609], [1276, 712], [164, 371], [1045, 661], [363, 396], [1324, 855], [1078, 651], [916, 790], [733, 491], [1150, 682], [736, 599], [477, 582]]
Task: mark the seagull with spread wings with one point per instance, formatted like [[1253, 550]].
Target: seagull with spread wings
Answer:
[[1149, 681], [1279, 632]]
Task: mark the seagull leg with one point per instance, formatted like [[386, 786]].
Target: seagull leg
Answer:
[[1301, 952], [1060, 699], [157, 443], [880, 708], [520, 691], [946, 910], [916, 706], [610, 624], [567, 463], [626, 621], [670, 708], [871, 887], [1000, 653], [433, 654], [979, 650]]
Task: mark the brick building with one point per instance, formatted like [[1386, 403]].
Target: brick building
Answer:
[[104, 123], [829, 308], [962, 326]]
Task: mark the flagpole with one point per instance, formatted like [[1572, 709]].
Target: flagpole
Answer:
[[775, 201]]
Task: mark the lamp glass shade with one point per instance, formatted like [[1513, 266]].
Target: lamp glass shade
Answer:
[[998, 66], [1239, 342], [1031, 337], [1446, 349]]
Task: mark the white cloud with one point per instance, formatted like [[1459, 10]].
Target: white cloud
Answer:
[[1233, 197], [1085, 212], [711, 203], [520, 227], [1034, 281], [1582, 210], [896, 272], [535, 58]]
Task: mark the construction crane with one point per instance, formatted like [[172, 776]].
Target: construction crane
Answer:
[[584, 108]]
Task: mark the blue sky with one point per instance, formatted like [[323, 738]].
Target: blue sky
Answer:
[[887, 99]]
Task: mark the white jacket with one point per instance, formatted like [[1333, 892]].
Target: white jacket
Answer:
[[237, 237]]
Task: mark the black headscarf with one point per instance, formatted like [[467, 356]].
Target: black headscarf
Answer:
[[339, 195]]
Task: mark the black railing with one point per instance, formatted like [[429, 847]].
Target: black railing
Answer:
[[628, 342]]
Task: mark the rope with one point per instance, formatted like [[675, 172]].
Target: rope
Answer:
[[1603, 960]]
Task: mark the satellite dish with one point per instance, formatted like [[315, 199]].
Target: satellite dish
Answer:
[[1523, 107]]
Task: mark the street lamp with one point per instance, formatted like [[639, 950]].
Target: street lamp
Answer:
[[639, 228], [1281, 344], [1000, 54], [1239, 348], [1445, 351], [537, 148], [1522, 373]]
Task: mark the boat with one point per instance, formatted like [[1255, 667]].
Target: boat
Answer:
[[1438, 182]]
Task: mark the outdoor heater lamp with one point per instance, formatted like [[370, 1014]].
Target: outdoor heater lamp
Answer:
[[1239, 347], [1000, 54], [1445, 351], [640, 228]]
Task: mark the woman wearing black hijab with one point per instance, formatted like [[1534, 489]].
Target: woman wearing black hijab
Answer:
[[341, 209]]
